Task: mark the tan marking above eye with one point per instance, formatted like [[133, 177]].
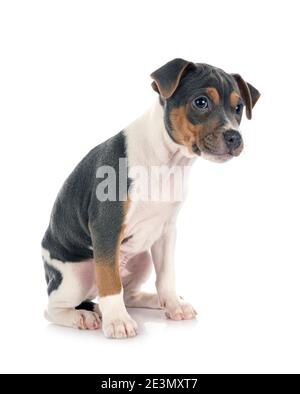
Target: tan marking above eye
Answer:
[[234, 99], [214, 95]]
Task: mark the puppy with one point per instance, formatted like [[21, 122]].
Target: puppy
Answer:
[[108, 227]]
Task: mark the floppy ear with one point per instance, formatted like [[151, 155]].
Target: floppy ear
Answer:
[[248, 92], [167, 77]]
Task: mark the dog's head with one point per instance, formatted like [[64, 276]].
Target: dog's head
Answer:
[[203, 107]]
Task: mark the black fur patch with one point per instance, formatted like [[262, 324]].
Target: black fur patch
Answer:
[[79, 220], [87, 306], [53, 277]]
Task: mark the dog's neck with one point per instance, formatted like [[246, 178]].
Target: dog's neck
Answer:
[[150, 142]]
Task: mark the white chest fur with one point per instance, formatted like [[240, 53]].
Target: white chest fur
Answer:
[[149, 149], [146, 222]]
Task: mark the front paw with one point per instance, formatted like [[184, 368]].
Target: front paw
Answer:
[[179, 310], [119, 327]]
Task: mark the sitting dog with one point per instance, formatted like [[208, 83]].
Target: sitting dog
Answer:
[[102, 240]]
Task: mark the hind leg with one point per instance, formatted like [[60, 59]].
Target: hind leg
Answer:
[[69, 286], [136, 271]]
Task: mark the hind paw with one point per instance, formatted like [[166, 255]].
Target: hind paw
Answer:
[[87, 320]]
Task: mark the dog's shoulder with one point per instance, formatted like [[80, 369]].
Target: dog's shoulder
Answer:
[[83, 177]]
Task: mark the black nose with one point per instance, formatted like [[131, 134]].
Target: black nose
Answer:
[[232, 139]]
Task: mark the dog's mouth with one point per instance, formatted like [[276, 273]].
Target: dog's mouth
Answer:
[[211, 155], [214, 152], [216, 149]]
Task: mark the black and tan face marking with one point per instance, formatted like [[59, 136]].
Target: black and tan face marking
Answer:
[[205, 109]]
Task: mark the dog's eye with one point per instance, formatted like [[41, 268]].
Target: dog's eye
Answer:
[[238, 109], [201, 102]]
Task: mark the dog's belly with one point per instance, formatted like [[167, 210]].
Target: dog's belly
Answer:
[[145, 224]]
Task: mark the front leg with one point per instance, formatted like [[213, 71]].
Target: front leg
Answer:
[[116, 322], [163, 259]]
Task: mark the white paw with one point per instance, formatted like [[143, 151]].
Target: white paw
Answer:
[[86, 320], [179, 310], [120, 327]]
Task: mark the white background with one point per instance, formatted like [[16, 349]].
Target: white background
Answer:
[[73, 73]]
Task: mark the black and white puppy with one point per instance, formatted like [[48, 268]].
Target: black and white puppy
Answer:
[[102, 240]]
